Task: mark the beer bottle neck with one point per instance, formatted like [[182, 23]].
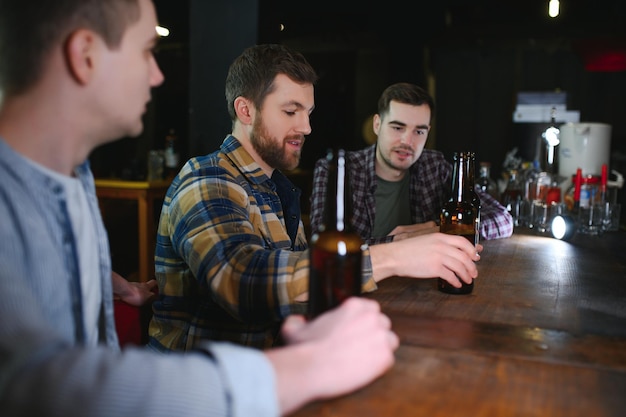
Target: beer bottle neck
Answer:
[[463, 177], [338, 201], [458, 177]]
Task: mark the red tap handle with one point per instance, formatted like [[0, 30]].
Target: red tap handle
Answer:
[[577, 183], [605, 177]]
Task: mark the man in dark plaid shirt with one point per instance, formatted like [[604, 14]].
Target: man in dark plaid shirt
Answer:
[[398, 186]]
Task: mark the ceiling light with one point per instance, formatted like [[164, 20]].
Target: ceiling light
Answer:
[[553, 8], [161, 31]]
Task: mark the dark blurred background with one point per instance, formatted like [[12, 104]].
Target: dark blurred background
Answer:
[[473, 56]]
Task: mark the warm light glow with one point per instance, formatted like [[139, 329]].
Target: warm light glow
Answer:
[[553, 8], [161, 31], [342, 248]]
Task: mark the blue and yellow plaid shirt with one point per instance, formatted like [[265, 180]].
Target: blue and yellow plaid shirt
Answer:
[[225, 263]]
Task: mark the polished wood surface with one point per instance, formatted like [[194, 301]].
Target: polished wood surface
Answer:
[[542, 334], [145, 193]]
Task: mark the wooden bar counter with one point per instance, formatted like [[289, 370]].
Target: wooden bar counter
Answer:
[[542, 334]]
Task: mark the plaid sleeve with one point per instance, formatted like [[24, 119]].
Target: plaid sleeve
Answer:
[[495, 220], [234, 244], [318, 194]]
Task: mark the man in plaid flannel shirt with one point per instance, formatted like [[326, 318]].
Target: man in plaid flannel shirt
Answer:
[[398, 186]]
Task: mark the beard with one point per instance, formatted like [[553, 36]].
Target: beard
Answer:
[[387, 158], [271, 151]]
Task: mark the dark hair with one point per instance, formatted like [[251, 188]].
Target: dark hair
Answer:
[[252, 74], [30, 29], [404, 93]]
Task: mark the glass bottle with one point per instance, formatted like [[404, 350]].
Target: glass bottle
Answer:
[[512, 195], [171, 154], [550, 149], [336, 250], [470, 183], [485, 182], [459, 216]]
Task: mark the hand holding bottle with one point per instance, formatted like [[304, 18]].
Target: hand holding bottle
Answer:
[[449, 257], [340, 351]]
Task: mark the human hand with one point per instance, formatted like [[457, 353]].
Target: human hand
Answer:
[[406, 231], [427, 256], [340, 351], [134, 293]]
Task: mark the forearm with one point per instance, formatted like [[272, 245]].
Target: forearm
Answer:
[[296, 379], [120, 284], [383, 263], [254, 284]]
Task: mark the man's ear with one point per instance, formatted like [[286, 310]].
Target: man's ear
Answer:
[[80, 53], [376, 124], [244, 110]]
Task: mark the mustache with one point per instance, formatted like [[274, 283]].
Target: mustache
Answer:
[[404, 148]]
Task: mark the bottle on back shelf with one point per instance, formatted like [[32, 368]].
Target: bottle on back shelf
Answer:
[[513, 195], [460, 215], [550, 149], [485, 182], [171, 155], [336, 250]]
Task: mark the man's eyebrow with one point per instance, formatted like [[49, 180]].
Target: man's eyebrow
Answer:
[[399, 123], [298, 105]]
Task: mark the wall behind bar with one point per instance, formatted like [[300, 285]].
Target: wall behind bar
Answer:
[[473, 56]]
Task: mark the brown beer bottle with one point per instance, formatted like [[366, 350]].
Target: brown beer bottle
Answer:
[[461, 214], [336, 249], [471, 189]]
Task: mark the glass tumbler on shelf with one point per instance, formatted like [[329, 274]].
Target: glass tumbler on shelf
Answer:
[[591, 219], [611, 216], [155, 165]]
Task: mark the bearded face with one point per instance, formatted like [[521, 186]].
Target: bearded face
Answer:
[[277, 153]]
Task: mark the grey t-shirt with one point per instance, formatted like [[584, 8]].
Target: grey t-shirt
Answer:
[[392, 205]]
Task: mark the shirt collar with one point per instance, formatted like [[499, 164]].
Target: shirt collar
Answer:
[[232, 148]]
